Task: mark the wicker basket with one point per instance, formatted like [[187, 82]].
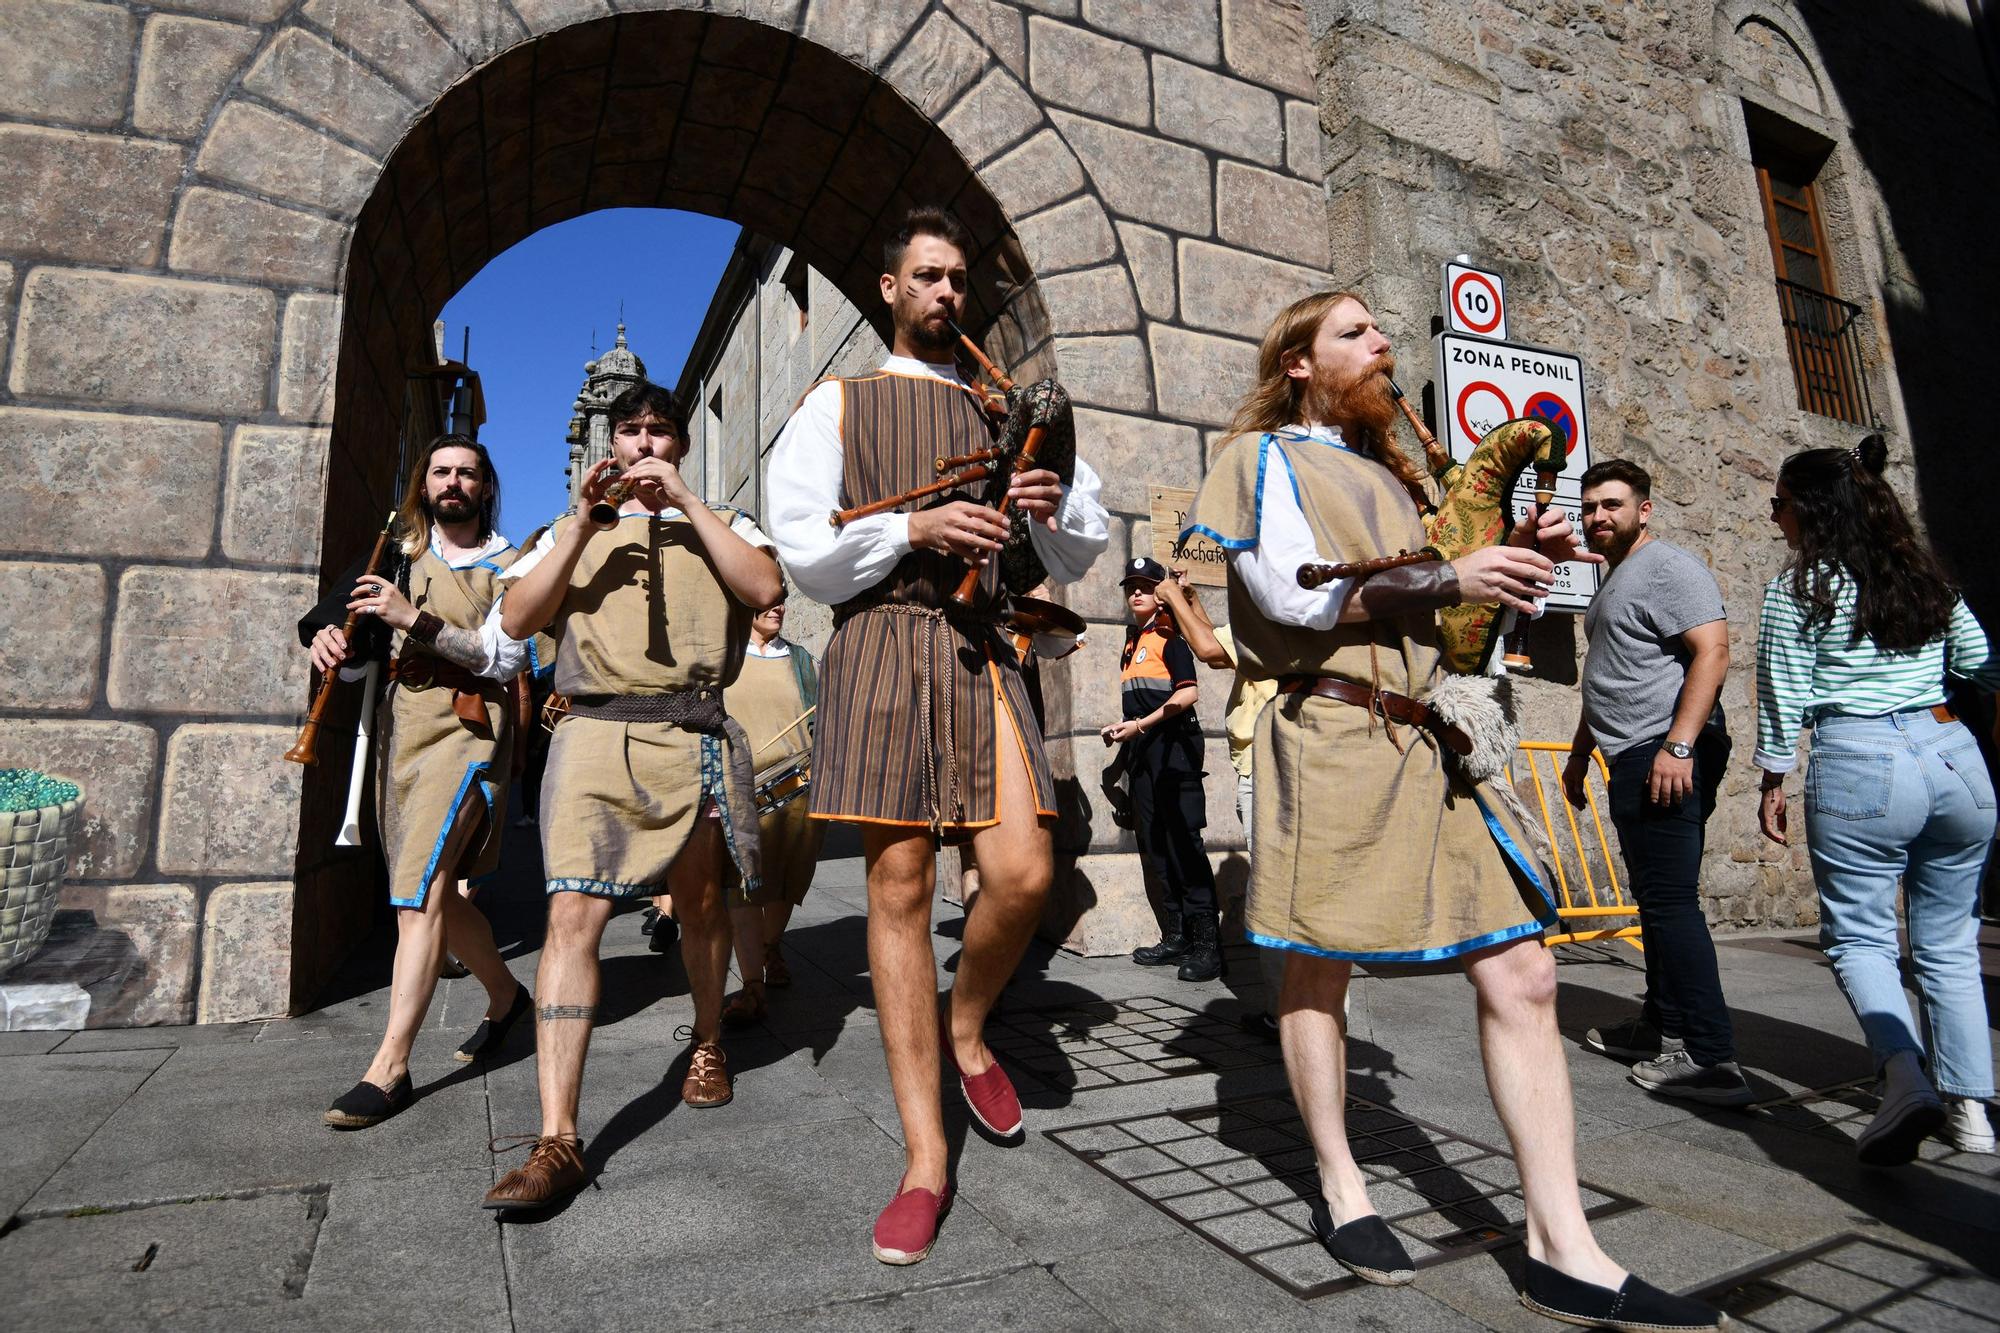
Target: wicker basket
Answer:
[[34, 852]]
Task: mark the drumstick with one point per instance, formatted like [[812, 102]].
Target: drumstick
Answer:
[[788, 727]]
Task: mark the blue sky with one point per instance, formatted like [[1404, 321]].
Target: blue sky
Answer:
[[532, 312]]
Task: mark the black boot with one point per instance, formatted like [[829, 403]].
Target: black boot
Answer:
[[1173, 944], [1203, 959]]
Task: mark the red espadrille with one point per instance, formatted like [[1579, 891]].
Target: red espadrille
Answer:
[[989, 1096], [908, 1227]]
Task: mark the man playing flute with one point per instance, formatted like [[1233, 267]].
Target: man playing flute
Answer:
[[446, 749], [924, 731], [648, 782], [1368, 849]]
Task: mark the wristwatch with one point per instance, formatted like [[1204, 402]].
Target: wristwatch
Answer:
[[1678, 749]]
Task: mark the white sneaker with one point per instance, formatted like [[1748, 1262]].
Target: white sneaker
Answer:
[[1965, 1125]]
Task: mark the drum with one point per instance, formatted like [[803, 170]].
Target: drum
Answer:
[[1054, 631], [783, 782]]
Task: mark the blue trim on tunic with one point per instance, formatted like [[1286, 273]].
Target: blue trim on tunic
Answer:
[[712, 789], [480, 770], [1515, 856]]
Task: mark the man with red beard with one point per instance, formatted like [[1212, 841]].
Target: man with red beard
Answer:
[[1368, 849]]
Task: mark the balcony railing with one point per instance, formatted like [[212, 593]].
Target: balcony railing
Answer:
[[1823, 335]]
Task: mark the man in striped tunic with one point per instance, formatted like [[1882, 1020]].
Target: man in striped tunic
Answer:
[[924, 731]]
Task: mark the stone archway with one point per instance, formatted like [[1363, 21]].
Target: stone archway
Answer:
[[285, 191]]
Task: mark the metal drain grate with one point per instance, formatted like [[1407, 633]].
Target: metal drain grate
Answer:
[[1841, 1112], [1112, 1043], [1241, 1174], [1853, 1282]]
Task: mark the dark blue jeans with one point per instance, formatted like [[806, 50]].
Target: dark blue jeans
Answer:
[[1662, 845]]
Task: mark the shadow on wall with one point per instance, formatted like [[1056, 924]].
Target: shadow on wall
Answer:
[[1943, 287]]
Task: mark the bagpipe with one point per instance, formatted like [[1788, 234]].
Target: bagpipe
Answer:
[[1036, 428], [1476, 511]]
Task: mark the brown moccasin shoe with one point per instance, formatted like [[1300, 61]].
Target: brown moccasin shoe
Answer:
[[554, 1171], [777, 973], [708, 1076]]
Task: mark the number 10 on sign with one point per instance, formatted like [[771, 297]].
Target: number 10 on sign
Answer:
[[1474, 302]]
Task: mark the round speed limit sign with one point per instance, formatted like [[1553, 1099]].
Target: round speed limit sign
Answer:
[[1475, 302]]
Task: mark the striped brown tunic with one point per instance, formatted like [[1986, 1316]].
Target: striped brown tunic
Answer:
[[910, 719]]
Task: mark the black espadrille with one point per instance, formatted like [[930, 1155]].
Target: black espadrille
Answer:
[[1365, 1246], [492, 1032], [364, 1104], [1636, 1306]]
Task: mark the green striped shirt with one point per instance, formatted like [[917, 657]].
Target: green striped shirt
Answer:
[[1802, 673]]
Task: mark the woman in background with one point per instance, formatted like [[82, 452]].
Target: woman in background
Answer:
[[1859, 632]]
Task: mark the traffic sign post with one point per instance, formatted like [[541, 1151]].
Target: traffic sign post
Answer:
[[1475, 302], [1482, 383]]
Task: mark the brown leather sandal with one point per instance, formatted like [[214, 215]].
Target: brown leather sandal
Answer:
[[707, 1081], [743, 1008]]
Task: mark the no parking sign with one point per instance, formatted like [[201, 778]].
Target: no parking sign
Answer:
[[1482, 383]]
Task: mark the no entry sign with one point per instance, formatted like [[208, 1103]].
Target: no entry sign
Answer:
[[1474, 302], [1482, 383]]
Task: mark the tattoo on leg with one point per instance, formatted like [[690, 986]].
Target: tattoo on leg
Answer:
[[550, 1012]]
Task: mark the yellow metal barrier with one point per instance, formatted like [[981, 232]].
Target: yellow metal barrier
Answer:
[[1580, 863]]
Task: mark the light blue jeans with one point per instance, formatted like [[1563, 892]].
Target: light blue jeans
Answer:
[[1905, 795]]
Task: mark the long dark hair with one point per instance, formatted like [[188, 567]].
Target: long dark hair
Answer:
[[1851, 523], [413, 519]]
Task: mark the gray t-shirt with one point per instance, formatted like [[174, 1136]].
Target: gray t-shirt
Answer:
[[1632, 677]]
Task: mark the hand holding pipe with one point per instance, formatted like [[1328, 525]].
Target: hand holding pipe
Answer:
[[842, 517], [968, 587], [305, 750]]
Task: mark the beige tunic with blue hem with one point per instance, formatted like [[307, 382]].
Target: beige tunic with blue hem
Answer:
[[645, 613], [1364, 851], [431, 764]]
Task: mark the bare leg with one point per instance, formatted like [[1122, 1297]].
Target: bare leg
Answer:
[[1529, 1082], [420, 939], [469, 935], [747, 925], [901, 868], [567, 987], [696, 877], [1312, 1029], [1016, 862], [776, 917]]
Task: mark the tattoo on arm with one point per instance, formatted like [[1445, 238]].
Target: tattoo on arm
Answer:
[[548, 1013], [461, 646]]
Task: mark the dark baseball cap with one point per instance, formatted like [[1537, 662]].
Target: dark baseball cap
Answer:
[[1143, 567]]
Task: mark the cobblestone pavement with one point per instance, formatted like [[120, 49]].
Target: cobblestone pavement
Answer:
[[180, 1177]]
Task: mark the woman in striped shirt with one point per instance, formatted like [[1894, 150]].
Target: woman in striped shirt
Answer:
[[1859, 631]]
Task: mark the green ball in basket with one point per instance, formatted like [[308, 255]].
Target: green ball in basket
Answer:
[[38, 815]]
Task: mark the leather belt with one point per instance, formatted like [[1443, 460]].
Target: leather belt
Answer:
[[691, 710], [1943, 713], [469, 692], [1383, 703]]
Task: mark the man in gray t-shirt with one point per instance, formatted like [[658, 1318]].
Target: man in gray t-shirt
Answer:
[[1659, 649]]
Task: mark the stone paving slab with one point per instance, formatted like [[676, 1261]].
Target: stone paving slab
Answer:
[[1027, 1299], [32, 1043], [414, 1234], [156, 1038], [772, 1220], [235, 1117], [173, 1265], [51, 1105]]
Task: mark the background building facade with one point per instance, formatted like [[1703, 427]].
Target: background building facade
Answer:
[[226, 228]]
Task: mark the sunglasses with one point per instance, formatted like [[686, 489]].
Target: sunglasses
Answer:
[[1779, 504]]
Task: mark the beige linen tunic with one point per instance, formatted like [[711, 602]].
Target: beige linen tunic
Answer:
[[766, 700], [431, 764], [1364, 851], [645, 613]]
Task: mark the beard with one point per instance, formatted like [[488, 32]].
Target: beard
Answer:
[[453, 507], [1361, 407], [933, 335]]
